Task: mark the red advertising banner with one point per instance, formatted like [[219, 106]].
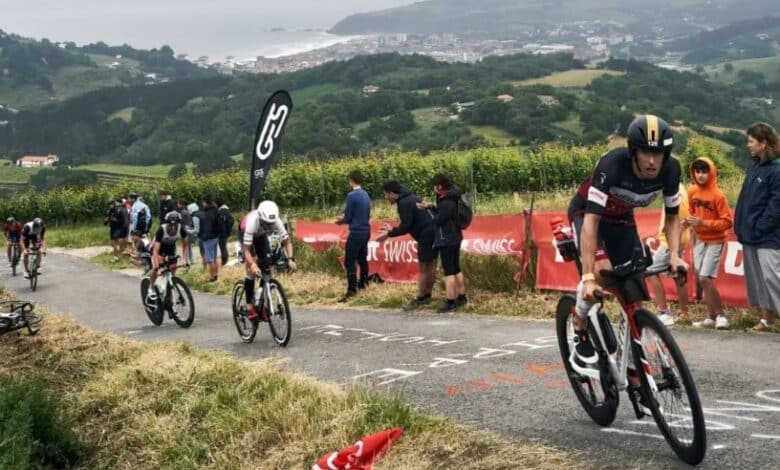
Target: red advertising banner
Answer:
[[395, 259], [555, 274]]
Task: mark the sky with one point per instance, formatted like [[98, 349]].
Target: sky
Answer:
[[193, 26]]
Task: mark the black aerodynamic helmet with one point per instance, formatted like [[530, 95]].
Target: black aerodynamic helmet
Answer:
[[651, 134]]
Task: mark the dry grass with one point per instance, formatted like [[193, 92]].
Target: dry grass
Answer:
[[171, 406], [577, 78]]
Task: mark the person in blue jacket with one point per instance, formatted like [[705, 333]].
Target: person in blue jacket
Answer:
[[357, 214], [757, 223]]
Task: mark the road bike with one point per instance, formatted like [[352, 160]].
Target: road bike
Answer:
[[17, 314], [172, 296], [16, 252], [271, 305], [33, 263], [642, 349]]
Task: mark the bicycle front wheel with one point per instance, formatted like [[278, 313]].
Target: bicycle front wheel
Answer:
[[599, 398], [182, 307], [280, 322], [155, 313], [247, 329], [669, 389]]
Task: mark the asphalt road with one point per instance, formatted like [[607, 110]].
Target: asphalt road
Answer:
[[498, 374]]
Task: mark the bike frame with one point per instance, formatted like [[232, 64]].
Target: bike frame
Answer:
[[34, 260], [618, 367], [265, 285]]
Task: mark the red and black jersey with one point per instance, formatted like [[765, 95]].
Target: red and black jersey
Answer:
[[14, 228], [613, 190]]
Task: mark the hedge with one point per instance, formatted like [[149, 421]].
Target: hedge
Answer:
[[305, 184]]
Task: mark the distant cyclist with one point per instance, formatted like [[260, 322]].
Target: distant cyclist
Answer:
[[33, 234], [602, 213], [257, 226], [13, 233], [164, 246]]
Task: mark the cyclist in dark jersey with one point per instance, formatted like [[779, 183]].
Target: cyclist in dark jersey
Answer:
[[33, 233], [164, 244], [13, 233], [602, 212]]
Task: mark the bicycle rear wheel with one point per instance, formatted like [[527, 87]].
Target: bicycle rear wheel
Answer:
[[599, 398], [182, 308], [155, 314], [247, 329], [280, 322], [675, 405]]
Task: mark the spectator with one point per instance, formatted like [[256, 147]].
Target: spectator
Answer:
[[186, 222], [140, 215], [357, 214], [419, 224], [225, 224], [447, 239], [194, 231], [128, 210], [710, 218], [142, 254], [757, 223], [166, 205], [209, 235], [117, 227], [661, 260]]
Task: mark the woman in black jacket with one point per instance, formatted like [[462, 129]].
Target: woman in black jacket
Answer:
[[447, 239]]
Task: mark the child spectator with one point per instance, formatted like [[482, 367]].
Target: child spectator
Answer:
[[710, 219], [661, 260]]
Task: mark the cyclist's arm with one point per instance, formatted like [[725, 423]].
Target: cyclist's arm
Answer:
[[589, 242], [672, 200]]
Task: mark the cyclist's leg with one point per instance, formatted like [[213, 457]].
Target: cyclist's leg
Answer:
[[8, 244], [26, 256], [583, 305]]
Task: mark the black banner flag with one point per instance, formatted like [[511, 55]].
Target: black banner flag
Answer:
[[268, 139]]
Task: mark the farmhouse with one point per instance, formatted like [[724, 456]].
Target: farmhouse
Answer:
[[34, 161]]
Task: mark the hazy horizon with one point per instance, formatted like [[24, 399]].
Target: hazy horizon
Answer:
[[217, 29]]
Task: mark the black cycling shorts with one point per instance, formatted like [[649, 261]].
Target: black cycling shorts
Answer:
[[30, 239], [450, 259], [261, 250], [619, 240]]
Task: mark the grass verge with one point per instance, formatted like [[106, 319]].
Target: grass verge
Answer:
[[77, 236], [169, 405]]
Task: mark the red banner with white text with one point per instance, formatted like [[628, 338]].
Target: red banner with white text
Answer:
[[555, 274], [395, 259]]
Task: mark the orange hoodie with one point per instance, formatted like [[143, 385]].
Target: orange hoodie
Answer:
[[708, 203]]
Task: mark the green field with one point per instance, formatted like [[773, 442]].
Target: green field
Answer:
[[10, 173], [428, 117], [768, 66], [125, 114], [494, 135], [68, 82], [578, 78], [312, 94], [573, 125]]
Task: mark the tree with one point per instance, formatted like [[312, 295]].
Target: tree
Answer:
[[178, 170], [728, 67]]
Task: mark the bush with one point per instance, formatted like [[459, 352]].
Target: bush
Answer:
[[504, 170], [32, 429]]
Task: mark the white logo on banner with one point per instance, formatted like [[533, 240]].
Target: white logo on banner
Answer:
[[274, 123]]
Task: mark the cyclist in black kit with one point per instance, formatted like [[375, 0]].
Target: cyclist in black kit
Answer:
[[602, 212]]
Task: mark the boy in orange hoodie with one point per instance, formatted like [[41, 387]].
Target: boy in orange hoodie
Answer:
[[710, 219]]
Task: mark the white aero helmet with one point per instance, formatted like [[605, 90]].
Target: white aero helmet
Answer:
[[268, 212]]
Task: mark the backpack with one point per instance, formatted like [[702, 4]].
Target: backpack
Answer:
[[464, 215]]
